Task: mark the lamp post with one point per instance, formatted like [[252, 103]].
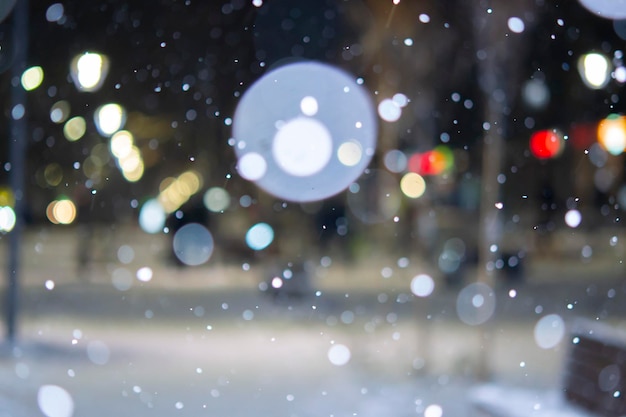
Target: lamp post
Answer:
[[17, 151]]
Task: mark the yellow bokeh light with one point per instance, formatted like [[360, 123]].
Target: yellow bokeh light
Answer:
[[413, 185], [349, 153], [594, 70], [192, 180], [32, 78], [75, 128], [61, 212], [166, 182], [53, 174], [171, 200], [131, 161], [6, 197], [181, 188], [89, 70], [109, 118], [121, 143], [135, 174], [65, 211], [129, 158], [174, 192]]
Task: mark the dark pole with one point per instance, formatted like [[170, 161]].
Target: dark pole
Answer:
[[17, 150]]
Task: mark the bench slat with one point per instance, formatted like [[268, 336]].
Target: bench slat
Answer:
[[595, 370]]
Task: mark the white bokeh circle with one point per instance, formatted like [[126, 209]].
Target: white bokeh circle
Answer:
[[389, 110], [252, 166], [422, 285], [549, 331], [476, 303], [304, 131], [302, 147], [193, 244], [339, 354], [309, 106], [55, 401], [608, 9]]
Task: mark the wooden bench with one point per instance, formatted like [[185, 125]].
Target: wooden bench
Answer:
[[594, 381]]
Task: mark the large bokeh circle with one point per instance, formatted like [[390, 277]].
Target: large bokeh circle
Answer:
[[304, 131], [609, 9], [193, 244]]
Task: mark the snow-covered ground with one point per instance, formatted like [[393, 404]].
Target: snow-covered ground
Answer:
[[240, 354], [206, 341]]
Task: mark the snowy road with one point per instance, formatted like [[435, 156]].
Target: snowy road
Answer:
[[249, 357], [232, 369], [182, 348]]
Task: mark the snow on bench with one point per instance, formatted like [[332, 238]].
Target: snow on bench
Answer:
[[594, 381]]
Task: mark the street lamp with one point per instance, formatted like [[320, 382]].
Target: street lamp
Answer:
[[89, 70]]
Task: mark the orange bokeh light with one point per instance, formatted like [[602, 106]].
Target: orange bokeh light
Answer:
[[612, 134], [433, 162]]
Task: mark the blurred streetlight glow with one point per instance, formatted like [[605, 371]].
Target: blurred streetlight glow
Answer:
[[75, 128], [132, 165], [612, 134], [32, 78], [129, 158], [89, 70], [594, 70], [121, 143], [413, 185], [176, 191], [7, 219], [61, 211], [109, 118]]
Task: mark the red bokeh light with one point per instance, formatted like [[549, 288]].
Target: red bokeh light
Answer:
[[432, 162], [546, 144]]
